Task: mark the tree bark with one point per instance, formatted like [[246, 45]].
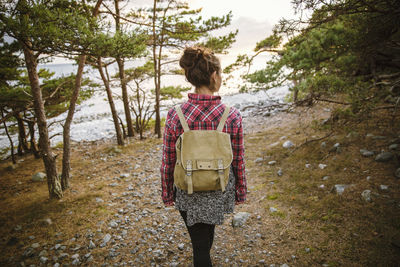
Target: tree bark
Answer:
[[122, 78], [48, 157], [66, 164], [9, 138], [23, 143], [157, 126], [33, 146], [120, 139]]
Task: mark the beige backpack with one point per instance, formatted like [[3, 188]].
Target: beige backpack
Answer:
[[203, 157]]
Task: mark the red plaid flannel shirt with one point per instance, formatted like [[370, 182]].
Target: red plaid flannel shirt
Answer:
[[202, 112]]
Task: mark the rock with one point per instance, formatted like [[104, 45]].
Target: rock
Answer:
[[91, 244], [308, 165], [366, 195], [366, 153], [273, 144], [322, 186], [43, 260], [258, 160], [288, 144], [379, 137], [326, 177], [35, 245], [113, 224], [113, 184], [394, 147], [99, 200], [106, 239], [384, 157], [383, 187], [272, 162], [308, 250], [283, 137], [38, 177], [181, 246], [284, 265], [240, 218], [322, 166], [369, 135], [272, 209], [397, 173], [339, 188], [368, 178], [280, 172], [323, 144], [43, 253], [47, 222], [124, 175]]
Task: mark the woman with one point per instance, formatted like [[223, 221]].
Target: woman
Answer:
[[201, 211]]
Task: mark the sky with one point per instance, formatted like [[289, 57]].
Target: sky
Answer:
[[253, 18]]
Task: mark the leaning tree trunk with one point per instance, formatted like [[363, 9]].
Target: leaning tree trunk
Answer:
[[66, 165], [48, 157], [33, 146], [120, 139]]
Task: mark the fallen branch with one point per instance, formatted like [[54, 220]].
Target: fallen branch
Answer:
[[312, 140]]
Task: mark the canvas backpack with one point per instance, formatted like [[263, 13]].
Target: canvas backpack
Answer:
[[203, 157]]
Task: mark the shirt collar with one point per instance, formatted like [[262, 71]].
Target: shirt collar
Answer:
[[204, 99]]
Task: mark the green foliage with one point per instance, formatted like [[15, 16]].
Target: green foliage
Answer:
[[347, 47], [173, 92]]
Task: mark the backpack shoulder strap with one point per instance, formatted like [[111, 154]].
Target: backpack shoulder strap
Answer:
[[182, 118], [223, 118]]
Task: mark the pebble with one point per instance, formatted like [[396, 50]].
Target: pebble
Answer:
[[99, 200], [258, 160], [384, 157], [323, 144], [326, 177], [91, 244], [366, 195], [280, 172], [35, 245], [308, 165], [43, 260], [397, 173], [322, 166], [272, 162], [272, 209], [366, 153], [288, 144], [339, 188], [181, 246], [394, 147], [384, 187], [307, 250], [322, 186], [38, 177], [240, 218]]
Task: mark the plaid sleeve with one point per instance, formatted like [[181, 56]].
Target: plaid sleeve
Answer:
[[238, 163], [168, 161]]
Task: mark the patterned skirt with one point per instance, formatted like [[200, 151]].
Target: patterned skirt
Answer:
[[207, 207]]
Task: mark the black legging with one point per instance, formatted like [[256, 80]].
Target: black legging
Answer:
[[202, 237]]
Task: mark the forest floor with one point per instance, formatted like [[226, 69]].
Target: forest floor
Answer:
[[112, 214]]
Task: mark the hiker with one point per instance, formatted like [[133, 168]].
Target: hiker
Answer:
[[202, 210]]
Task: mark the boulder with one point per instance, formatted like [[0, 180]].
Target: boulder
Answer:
[[38, 177]]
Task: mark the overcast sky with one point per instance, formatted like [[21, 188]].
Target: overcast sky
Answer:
[[253, 18]]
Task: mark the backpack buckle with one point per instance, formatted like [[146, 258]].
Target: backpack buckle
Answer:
[[220, 166], [189, 168]]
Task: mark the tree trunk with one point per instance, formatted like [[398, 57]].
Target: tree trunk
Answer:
[[122, 78], [48, 157], [33, 146], [23, 143], [120, 139], [157, 126], [9, 138], [66, 164]]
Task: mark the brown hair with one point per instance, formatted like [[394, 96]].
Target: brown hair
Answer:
[[199, 63]]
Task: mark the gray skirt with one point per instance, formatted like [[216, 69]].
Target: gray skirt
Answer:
[[207, 207]]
